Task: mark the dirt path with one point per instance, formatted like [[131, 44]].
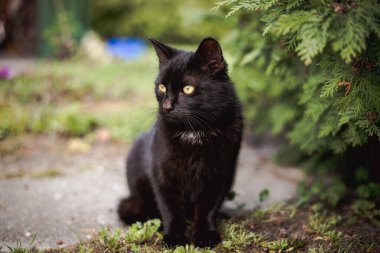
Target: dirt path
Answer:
[[65, 196]]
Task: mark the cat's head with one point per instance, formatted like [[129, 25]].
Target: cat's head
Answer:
[[192, 88]]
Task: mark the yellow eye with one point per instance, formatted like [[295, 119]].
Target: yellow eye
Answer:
[[188, 89], [162, 88]]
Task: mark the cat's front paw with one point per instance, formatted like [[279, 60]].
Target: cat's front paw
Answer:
[[173, 240], [206, 238]]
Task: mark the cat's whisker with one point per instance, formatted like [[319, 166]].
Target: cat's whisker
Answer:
[[199, 122], [187, 119], [185, 123], [195, 122], [201, 114]]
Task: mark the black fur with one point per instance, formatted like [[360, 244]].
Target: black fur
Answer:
[[172, 175]]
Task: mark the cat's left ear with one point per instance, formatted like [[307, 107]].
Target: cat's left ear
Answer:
[[209, 55]]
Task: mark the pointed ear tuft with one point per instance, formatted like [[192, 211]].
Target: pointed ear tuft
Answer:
[[210, 56], [163, 51]]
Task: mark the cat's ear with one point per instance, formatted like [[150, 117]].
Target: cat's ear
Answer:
[[163, 51], [209, 55]]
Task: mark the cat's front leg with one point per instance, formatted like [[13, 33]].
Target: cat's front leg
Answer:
[[172, 211], [204, 233]]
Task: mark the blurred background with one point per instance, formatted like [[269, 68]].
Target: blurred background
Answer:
[[76, 68], [76, 87], [88, 63]]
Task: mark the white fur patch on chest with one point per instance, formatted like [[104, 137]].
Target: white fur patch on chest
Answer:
[[191, 137]]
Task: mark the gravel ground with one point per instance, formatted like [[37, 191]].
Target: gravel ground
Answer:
[[69, 207]]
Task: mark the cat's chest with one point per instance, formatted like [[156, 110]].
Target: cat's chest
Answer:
[[188, 161], [194, 137], [187, 152]]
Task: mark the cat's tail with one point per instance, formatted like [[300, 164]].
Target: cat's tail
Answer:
[[132, 209]]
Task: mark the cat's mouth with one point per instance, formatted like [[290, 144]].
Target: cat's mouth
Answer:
[[174, 118], [188, 122]]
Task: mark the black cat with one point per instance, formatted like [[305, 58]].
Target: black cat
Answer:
[[184, 166]]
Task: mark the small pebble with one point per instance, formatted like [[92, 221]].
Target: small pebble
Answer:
[[59, 242]]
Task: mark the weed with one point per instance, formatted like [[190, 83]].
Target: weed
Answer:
[[77, 124], [321, 224], [271, 213], [264, 195], [189, 249], [236, 237], [280, 245], [259, 215], [334, 193], [110, 240], [331, 194], [366, 209], [334, 236], [143, 232], [84, 249], [368, 191], [19, 249], [321, 249]]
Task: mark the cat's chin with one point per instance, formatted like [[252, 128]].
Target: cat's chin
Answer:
[[173, 120]]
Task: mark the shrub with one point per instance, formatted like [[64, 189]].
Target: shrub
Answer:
[[165, 20], [309, 72]]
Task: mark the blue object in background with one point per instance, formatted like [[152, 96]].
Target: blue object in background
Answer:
[[126, 48]]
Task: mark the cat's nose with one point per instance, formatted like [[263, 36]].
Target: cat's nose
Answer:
[[167, 106]]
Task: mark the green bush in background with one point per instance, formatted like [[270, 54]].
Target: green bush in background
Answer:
[[167, 20], [309, 71]]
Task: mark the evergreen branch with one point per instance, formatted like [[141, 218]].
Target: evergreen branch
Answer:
[[248, 5]]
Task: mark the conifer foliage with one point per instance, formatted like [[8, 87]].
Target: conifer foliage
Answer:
[[310, 70]]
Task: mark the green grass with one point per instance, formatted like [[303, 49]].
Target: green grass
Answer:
[[110, 240], [74, 97], [143, 232], [278, 230], [239, 238], [281, 245], [321, 224], [20, 249]]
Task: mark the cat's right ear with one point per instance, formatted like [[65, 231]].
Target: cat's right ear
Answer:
[[163, 51]]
